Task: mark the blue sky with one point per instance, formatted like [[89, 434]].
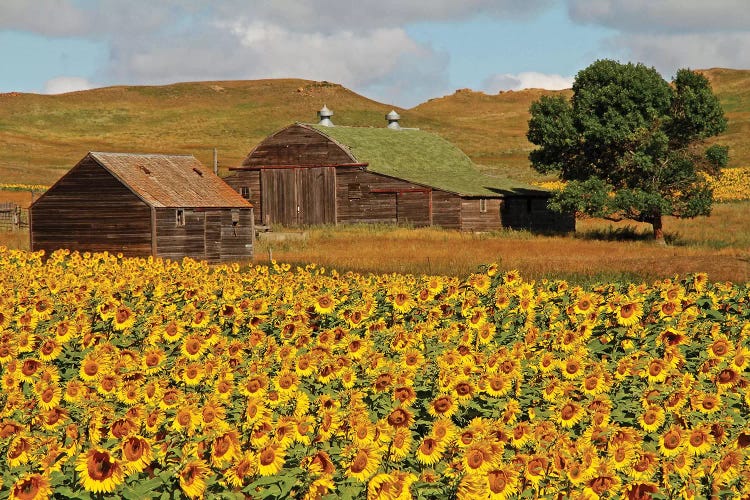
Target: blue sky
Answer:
[[396, 51]]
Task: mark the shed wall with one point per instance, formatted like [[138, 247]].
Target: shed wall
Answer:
[[474, 218], [90, 210], [366, 197]]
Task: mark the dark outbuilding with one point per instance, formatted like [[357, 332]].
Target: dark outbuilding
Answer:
[[167, 206]]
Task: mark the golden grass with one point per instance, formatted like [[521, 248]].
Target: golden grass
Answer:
[[719, 246]]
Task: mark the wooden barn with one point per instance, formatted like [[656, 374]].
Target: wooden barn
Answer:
[[324, 174], [167, 206]]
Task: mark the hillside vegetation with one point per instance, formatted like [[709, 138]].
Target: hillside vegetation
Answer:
[[42, 136]]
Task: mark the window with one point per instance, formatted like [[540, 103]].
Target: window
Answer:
[[483, 205], [180, 217], [528, 205], [245, 192]]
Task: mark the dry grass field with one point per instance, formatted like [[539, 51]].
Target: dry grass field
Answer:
[[599, 251]]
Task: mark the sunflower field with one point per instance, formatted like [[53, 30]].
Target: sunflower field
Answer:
[[145, 378]]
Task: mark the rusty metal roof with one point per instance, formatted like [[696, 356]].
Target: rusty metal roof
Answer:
[[170, 180]]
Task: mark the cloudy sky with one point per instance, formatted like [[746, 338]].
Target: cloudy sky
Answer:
[[401, 52]]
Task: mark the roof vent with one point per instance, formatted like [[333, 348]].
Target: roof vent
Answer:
[[145, 170], [325, 115], [393, 119]]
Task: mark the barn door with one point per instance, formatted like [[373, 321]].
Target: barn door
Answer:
[[413, 207], [279, 196], [316, 196]]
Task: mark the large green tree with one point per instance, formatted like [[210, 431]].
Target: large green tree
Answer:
[[629, 144]]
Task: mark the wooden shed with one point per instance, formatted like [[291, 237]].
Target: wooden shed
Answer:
[[314, 174], [167, 206]]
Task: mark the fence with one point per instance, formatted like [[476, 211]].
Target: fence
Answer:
[[13, 217]]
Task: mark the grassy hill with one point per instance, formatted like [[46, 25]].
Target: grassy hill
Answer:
[[42, 136]]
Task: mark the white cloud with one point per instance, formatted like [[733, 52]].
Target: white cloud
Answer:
[[64, 84], [526, 80], [663, 16]]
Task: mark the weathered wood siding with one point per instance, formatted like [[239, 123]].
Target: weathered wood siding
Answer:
[[367, 197], [249, 179], [446, 209], [90, 210], [175, 242], [294, 196], [474, 219], [296, 145], [531, 213], [207, 234]]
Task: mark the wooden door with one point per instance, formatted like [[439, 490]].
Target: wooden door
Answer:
[[212, 235], [316, 196], [279, 198]]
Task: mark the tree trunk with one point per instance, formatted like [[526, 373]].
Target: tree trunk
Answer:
[[656, 222]]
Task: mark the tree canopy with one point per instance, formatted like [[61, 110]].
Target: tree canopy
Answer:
[[630, 144]]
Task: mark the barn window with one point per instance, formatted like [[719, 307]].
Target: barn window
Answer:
[[245, 192], [235, 217], [483, 205], [355, 191], [528, 205], [179, 217]]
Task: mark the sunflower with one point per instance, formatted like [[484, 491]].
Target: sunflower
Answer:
[[605, 481], [621, 455], [672, 441], [699, 440], [586, 303], [682, 464], [400, 445], [464, 389], [49, 395], [430, 451], [572, 368], [522, 434], [402, 301], [193, 346], [123, 318], [629, 312], [136, 453], [721, 348], [99, 471], [498, 385], [225, 449], [270, 459], [19, 450], [652, 419], [502, 482], [480, 456], [186, 419], [193, 478], [172, 331], [241, 470], [644, 467], [442, 407], [706, 403], [92, 367], [656, 371], [364, 462], [50, 350], [324, 303], [31, 487], [535, 469], [595, 383], [568, 414], [75, 391], [152, 360]]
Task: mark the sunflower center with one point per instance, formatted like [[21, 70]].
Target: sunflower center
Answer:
[[672, 440], [398, 418], [100, 466], [221, 446], [27, 489], [650, 417], [475, 459], [696, 439], [360, 462], [267, 456], [133, 449], [463, 389], [91, 368], [568, 411], [428, 446], [719, 348], [654, 369], [48, 395]]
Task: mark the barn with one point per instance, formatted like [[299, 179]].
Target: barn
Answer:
[[167, 206], [308, 174]]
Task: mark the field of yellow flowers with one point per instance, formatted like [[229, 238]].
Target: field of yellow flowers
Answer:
[[143, 378]]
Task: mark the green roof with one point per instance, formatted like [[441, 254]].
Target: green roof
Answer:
[[420, 157]]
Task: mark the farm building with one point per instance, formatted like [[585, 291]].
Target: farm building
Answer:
[[310, 174], [167, 206]]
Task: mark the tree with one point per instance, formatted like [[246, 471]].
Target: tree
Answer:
[[629, 144]]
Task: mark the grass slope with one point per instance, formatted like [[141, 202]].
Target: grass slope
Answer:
[[42, 136]]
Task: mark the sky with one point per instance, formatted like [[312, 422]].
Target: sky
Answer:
[[401, 52]]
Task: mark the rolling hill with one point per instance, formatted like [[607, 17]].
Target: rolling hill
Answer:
[[42, 136]]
